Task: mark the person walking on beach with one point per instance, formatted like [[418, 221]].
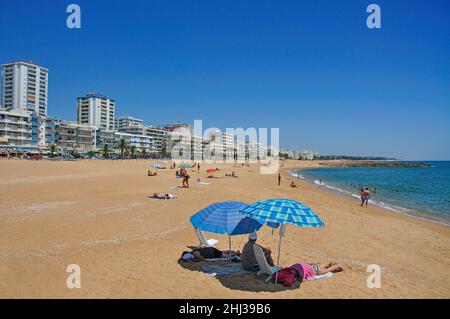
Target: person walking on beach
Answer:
[[198, 167], [363, 199], [185, 176], [279, 179], [366, 196]]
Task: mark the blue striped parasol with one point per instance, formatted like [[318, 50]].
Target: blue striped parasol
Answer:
[[224, 218], [282, 211]]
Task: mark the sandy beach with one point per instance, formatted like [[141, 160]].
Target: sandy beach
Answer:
[[97, 214]]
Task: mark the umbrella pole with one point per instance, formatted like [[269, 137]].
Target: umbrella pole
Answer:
[[229, 246], [282, 231]]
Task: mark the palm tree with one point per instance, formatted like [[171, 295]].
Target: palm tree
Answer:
[[52, 148], [105, 150], [132, 151], [73, 151], [91, 153], [122, 146], [163, 151], [144, 153]]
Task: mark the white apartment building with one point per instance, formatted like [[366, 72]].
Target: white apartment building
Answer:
[[139, 142], [128, 121], [15, 129], [96, 110], [24, 87]]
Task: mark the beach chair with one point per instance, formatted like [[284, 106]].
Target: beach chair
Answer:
[[264, 268], [203, 241]]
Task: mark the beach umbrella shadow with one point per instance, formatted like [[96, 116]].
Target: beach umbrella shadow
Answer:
[[243, 282]]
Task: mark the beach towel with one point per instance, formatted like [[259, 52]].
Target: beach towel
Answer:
[[224, 270], [204, 183], [235, 258], [327, 275]]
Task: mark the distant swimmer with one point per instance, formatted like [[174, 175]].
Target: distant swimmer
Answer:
[[320, 181]]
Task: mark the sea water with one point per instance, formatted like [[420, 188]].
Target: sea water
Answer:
[[420, 192]]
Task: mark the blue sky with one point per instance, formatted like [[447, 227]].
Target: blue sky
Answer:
[[311, 68]]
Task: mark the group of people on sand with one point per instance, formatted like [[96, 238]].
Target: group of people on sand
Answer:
[[248, 259], [292, 185]]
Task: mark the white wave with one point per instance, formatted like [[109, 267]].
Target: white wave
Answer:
[[296, 175]]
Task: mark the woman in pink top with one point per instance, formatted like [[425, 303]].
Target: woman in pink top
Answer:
[[310, 270]]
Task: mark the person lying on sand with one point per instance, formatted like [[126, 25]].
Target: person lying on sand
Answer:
[[293, 185], [310, 270], [232, 175], [211, 176], [163, 196], [150, 173], [202, 253]]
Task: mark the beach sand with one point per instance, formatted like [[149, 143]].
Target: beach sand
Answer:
[[97, 214]]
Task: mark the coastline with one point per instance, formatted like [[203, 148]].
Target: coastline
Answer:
[[385, 206], [97, 214]]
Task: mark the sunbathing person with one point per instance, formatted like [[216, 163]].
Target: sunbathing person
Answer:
[[232, 175], [202, 253], [248, 255], [310, 270], [163, 196], [293, 185], [150, 173]]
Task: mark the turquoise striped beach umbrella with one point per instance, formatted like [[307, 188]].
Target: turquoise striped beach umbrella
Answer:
[[185, 165], [282, 211]]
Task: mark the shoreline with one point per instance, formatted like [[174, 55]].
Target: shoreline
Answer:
[[388, 207]]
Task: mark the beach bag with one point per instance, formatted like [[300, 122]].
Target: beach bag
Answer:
[[286, 277], [299, 273]]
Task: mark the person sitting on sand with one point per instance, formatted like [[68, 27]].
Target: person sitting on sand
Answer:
[[202, 253], [293, 185], [248, 255], [163, 196], [150, 173], [310, 270]]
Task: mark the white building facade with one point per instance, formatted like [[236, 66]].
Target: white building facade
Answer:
[[96, 110], [24, 87]]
